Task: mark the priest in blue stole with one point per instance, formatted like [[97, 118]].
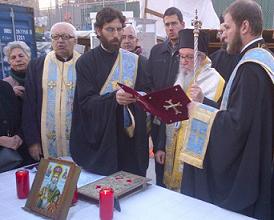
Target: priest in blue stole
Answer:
[[50, 85], [228, 157], [108, 131]]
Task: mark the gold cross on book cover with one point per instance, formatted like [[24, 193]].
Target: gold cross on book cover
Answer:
[[169, 105]]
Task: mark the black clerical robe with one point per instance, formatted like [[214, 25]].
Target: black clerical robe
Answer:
[[98, 141], [10, 119], [31, 116], [237, 165], [224, 62]]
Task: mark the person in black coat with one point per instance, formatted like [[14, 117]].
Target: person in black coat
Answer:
[[162, 69], [10, 134], [238, 163], [222, 61], [99, 140]]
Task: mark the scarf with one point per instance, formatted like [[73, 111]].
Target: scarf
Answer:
[[18, 76]]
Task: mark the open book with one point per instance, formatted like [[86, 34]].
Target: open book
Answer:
[[169, 105]]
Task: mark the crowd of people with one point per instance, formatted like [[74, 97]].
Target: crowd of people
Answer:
[[67, 104]]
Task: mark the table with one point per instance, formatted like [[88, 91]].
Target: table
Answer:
[[154, 203]]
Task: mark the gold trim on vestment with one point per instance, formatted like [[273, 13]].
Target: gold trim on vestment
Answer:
[[62, 86], [219, 90], [207, 117], [173, 170], [117, 62], [45, 86], [122, 79]]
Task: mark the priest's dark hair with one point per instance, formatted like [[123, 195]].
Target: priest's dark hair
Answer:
[[107, 15], [249, 10], [174, 11]]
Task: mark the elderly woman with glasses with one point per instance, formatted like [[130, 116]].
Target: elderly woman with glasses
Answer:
[[18, 55]]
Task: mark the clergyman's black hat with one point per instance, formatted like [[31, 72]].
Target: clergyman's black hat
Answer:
[[186, 40]]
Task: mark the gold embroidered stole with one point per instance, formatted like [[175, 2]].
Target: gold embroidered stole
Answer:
[[197, 135], [58, 91], [176, 134], [123, 71], [202, 118]]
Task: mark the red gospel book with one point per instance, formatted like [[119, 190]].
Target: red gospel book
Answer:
[[169, 105]]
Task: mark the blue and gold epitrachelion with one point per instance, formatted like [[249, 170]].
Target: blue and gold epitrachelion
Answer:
[[201, 120], [123, 71], [58, 86], [197, 135]]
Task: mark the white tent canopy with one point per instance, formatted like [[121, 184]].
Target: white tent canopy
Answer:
[[206, 12]]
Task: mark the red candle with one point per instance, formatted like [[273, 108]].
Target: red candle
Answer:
[[106, 203], [22, 183], [75, 197]]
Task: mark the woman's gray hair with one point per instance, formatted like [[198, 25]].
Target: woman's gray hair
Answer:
[[69, 25], [16, 44]]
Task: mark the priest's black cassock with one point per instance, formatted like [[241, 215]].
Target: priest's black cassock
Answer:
[[98, 142], [32, 106], [224, 62], [238, 161]]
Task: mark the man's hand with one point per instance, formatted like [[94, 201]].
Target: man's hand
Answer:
[[13, 142], [160, 156], [19, 90], [196, 93], [190, 108], [124, 98], [35, 151]]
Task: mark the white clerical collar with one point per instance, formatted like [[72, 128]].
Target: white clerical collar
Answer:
[[105, 49], [251, 42]]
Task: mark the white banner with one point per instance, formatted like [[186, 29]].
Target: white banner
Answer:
[[206, 12]]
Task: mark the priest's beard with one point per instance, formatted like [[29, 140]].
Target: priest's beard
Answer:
[[184, 77], [235, 46], [112, 45]]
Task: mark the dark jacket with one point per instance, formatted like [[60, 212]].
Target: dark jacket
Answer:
[[10, 119], [9, 111], [32, 107], [238, 160], [162, 69], [162, 66]]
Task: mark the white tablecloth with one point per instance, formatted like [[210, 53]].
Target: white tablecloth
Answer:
[[154, 203]]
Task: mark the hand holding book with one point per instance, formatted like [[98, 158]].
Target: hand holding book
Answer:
[[169, 105]]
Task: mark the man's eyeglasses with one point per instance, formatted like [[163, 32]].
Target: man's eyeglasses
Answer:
[[187, 57], [112, 29], [63, 36]]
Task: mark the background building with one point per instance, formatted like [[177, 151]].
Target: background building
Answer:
[[27, 3], [77, 11]]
